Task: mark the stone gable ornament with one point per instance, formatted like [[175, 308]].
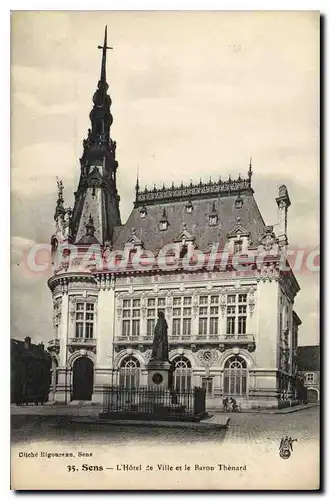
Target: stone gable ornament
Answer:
[[268, 239], [207, 357], [147, 354], [251, 300]]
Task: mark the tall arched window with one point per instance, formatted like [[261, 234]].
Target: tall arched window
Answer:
[[129, 372], [235, 377], [181, 374]]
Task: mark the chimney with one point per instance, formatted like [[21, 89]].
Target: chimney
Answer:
[[27, 342], [283, 203]]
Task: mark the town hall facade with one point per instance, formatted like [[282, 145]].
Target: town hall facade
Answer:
[[186, 250]]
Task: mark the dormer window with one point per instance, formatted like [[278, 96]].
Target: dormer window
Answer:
[[239, 201], [163, 223], [213, 220], [238, 246], [189, 207], [134, 241], [213, 217], [143, 213]]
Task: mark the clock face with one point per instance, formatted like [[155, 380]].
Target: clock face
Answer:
[[157, 378]]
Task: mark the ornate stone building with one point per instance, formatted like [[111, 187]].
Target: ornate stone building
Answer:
[[188, 250]]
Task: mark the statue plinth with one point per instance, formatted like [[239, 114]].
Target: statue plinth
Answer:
[[159, 374]]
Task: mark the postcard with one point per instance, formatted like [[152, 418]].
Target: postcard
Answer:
[[165, 250]]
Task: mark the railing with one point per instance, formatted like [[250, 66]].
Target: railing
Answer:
[[133, 338], [204, 189], [213, 338], [155, 403], [243, 338], [82, 341]]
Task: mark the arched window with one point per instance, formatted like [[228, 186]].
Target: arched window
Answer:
[[235, 377], [181, 374], [129, 372]]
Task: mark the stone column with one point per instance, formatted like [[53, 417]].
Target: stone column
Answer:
[[63, 387], [104, 337], [265, 355]]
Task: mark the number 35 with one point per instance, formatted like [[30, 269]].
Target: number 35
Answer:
[[71, 468]]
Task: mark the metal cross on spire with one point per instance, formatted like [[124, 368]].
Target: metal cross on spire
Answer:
[[104, 48]]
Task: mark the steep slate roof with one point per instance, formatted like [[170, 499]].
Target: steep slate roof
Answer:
[[88, 239], [309, 358], [197, 222]]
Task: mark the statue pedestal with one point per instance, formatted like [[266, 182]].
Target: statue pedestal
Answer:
[[159, 374]]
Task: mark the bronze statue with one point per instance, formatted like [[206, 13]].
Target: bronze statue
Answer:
[[160, 342]]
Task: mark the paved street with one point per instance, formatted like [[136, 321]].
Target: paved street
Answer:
[[302, 425], [54, 423]]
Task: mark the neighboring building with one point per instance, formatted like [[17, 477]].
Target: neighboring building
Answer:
[[309, 370], [234, 333], [30, 372]]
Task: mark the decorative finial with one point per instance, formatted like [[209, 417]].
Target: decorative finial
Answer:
[[104, 48], [137, 186], [59, 210], [250, 171]]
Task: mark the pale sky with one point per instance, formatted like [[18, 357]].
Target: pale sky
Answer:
[[194, 95]]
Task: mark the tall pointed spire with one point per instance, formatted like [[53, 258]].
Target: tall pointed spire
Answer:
[[100, 116], [98, 167], [104, 48], [137, 185]]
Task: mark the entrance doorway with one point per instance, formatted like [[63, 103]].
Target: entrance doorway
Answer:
[[312, 395], [83, 379]]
